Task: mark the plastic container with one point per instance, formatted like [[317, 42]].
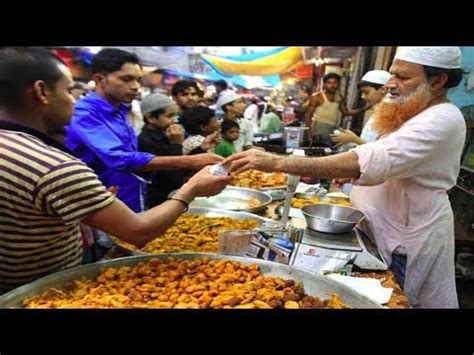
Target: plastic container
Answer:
[[293, 137]]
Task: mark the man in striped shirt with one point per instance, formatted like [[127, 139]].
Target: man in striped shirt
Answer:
[[44, 191]]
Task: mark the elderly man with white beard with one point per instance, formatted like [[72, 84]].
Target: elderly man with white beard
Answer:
[[402, 178]]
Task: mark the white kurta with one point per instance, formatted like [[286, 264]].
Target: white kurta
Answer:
[[402, 192], [246, 134]]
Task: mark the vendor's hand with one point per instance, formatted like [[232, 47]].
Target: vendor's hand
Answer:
[[251, 159], [203, 183], [199, 161], [341, 181], [211, 141], [345, 136], [175, 134]]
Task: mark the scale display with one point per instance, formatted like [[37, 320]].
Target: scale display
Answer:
[[366, 253]]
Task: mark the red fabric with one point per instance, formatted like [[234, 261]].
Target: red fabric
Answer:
[[65, 55]]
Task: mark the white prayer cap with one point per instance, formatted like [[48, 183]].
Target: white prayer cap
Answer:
[[226, 98], [376, 77], [438, 57]]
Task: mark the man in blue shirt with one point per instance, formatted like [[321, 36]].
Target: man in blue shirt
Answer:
[[101, 136]]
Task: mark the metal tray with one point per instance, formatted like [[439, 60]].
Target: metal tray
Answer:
[[234, 199], [208, 212], [315, 285]]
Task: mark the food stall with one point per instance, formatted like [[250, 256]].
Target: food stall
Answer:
[[220, 255]]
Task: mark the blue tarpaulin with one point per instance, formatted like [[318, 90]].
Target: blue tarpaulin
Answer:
[[239, 80]]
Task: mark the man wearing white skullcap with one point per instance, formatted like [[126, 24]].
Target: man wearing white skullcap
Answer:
[[234, 107], [372, 87], [404, 175]]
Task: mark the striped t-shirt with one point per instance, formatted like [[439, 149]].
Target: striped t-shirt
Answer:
[[44, 193]]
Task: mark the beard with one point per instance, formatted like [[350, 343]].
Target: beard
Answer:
[[391, 114]]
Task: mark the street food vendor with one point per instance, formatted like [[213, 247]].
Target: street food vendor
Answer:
[[402, 178]]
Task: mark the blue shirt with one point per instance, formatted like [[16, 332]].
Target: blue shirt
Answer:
[[101, 136]]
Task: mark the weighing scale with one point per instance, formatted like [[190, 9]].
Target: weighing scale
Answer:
[[366, 254]]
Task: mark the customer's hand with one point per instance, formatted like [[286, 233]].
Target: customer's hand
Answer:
[[251, 159], [175, 134], [203, 183], [345, 136], [199, 161], [211, 141]]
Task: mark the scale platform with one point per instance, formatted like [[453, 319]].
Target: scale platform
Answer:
[[366, 253]]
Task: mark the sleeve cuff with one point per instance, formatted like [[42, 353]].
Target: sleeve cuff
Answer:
[[374, 164]]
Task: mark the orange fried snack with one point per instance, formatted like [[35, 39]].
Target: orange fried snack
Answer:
[[255, 179], [301, 202], [199, 283], [193, 233]]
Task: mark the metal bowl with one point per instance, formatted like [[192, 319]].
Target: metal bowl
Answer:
[[315, 285], [234, 199], [208, 212], [331, 218], [306, 195]]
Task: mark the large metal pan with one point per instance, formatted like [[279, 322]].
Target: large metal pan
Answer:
[[314, 285], [234, 199]]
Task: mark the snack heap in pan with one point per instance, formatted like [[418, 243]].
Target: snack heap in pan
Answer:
[[171, 283], [193, 233]]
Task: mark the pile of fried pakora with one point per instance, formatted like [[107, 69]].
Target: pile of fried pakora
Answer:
[[193, 233], [171, 283], [255, 179]]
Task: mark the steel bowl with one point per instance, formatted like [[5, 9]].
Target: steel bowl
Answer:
[[233, 199], [315, 285], [331, 218]]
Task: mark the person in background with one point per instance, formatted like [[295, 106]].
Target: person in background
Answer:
[[101, 135], [251, 113], [203, 127], [210, 100], [271, 121], [372, 87], [201, 101], [304, 94], [221, 88], [79, 90], [325, 110], [186, 95], [230, 131], [262, 107], [234, 106], [161, 136]]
